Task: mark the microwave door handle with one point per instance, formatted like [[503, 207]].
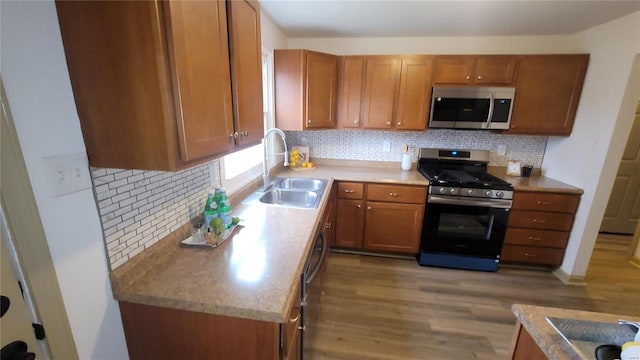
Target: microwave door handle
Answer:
[[490, 115]]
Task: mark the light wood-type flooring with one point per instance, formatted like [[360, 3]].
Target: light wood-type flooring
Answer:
[[380, 308]]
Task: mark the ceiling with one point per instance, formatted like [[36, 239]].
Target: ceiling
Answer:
[[401, 18]]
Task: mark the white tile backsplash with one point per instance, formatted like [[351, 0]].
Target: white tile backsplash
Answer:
[[367, 144], [137, 208]]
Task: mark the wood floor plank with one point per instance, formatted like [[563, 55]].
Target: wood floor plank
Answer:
[[381, 308]]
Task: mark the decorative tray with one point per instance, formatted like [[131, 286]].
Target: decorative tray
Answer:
[[201, 237]]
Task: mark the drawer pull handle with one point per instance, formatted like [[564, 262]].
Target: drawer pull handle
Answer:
[[394, 194], [358, 206], [530, 255], [539, 221], [327, 225], [295, 319], [349, 191], [368, 207], [535, 238], [544, 203]]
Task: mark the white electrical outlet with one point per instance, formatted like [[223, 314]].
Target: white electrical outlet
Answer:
[[502, 150], [386, 146], [68, 173]]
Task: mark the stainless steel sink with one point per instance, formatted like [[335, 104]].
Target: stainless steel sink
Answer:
[[296, 198], [585, 336], [290, 192], [299, 183]]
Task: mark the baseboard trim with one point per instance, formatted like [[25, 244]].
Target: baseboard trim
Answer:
[[567, 279], [635, 261]]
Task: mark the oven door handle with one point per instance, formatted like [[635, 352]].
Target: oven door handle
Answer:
[[469, 201]]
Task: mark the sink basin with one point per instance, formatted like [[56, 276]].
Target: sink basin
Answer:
[[293, 198], [585, 336], [299, 184]]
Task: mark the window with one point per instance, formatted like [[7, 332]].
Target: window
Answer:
[[242, 167]]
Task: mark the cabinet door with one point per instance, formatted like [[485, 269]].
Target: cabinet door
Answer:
[[350, 91], [197, 32], [494, 69], [393, 227], [415, 94], [456, 69], [321, 90], [350, 221], [548, 88], [380, 89], [246, 70]]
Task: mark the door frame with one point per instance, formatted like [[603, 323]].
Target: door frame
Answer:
[[29, 239]]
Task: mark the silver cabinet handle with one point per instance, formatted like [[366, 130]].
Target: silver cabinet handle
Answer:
[[368, 207], [535, 238], [539, 221], [467, 77], [543, 203], [349, 191], [358, 206], [356, 122], [394, 194], [530, 255], [245, 133], [327, 225], [309, 121], [479, 77], [234, 135], [388, 123], [295, 319]]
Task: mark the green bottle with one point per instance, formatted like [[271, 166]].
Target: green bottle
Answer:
[[210, 209]]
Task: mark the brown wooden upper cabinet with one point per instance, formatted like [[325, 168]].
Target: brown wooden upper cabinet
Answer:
[[384, 92], [305, 89], [548, 88], [475, 69], [153, 80]]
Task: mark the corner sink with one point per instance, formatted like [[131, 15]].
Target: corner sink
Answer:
[[299, 183], [293, 198]]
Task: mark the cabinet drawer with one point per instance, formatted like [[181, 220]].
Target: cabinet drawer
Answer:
[[350, 190], [534, 237], [290, 328], [397, 193], [540, 220], [531, 255], [566, 203]]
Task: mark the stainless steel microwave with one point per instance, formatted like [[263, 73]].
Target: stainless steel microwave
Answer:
[[471, 107]]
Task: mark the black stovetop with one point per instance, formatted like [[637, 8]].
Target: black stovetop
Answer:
[[461, 175]]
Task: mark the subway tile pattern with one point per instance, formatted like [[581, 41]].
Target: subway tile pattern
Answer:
[[367, 144], [137, 208]]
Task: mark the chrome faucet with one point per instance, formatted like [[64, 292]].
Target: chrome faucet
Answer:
[[265, 169]]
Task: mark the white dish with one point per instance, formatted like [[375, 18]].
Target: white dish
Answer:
[[199, 239]]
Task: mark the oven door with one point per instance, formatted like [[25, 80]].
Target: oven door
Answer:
[[469, 227]]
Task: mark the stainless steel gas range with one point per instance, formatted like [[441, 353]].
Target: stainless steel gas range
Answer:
[[467, 210]]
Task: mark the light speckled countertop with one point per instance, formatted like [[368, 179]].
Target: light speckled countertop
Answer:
[[535, 182], [533, 319], [255, 273]]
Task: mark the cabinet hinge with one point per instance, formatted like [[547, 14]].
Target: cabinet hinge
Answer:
[[38, 329]]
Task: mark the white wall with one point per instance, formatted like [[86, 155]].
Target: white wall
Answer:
[[37, 84], [272, 36], [603, 121]]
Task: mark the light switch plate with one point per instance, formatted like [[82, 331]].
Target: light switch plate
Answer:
[[68, 173], [386, 146], [502, 150]]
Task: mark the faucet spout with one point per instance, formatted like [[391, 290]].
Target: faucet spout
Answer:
[[265, 168]]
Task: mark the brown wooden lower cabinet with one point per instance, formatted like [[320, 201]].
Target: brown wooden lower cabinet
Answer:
[[380, 217], [539, 228], [524, 347], [154, 332]]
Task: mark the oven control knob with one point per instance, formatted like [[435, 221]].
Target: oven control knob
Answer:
[[441, 190], [487, 193], [470, 192], [453, 191], [499, 194]]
